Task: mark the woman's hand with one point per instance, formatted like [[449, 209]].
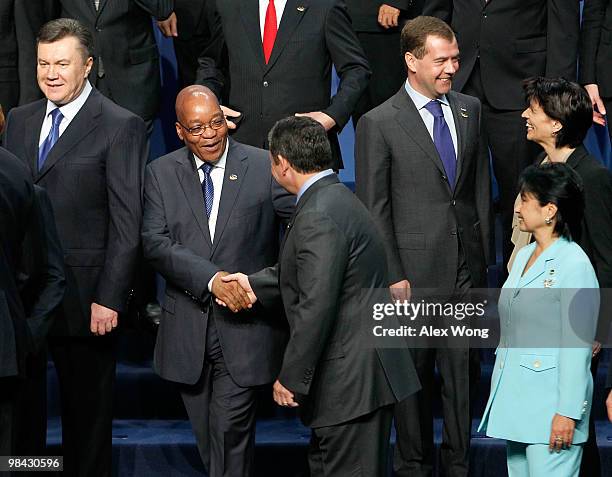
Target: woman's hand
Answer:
[[561, 433]]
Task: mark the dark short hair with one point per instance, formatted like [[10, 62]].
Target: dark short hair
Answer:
[[61, 28], [563, 101], [557, 183], [303, 142], [415, 32]]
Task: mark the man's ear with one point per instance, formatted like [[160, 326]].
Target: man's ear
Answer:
[[410, 61], [179, 131], [284, 164]]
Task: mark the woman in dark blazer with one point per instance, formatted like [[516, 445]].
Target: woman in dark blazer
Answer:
[[558, 118]]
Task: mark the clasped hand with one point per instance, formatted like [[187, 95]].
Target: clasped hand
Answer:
[[233, 291]]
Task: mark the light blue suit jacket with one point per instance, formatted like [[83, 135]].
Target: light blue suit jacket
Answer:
[[548, 318]]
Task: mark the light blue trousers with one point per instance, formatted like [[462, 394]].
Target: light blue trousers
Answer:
[[535, 460]]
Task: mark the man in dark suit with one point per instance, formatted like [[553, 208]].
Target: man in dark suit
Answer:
[[378, 26], [422, 170], [331, 269], [126, 69], [188, 28], [89, 155], [16, 205], [213, 206], [595, 71], [503, 43], [280, 62]]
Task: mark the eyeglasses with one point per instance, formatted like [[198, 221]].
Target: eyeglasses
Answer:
[[215, 124]]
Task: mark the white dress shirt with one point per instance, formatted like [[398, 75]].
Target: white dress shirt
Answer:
[[279, 5], [216, 174], [69, 111], [420, 101]]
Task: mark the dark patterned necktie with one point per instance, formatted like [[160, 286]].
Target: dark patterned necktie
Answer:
[[443, 141], [208, 189]]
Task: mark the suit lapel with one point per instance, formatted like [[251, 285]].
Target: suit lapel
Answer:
[[411, 121], [192, 188], [325, 181], [34, 124], [235, 170], [85, 121], [461, 122], [541, 264], [292, 16], [249, 11], [100, 7]]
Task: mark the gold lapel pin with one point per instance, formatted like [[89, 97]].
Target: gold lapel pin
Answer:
[[548, 282], [233, 177], [463, 112], [301, 8]]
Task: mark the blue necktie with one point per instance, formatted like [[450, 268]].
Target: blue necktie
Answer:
[[52, 137], [208, 189], [443, 141]]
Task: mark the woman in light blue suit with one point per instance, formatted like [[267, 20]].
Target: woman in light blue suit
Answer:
[[541, 386]]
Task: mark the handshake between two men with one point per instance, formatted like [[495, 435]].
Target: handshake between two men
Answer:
[[234, 291]]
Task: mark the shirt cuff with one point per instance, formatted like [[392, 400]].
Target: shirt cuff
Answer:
[[211, 282]]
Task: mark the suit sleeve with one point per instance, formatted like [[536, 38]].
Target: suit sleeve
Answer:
[[47, 276], [399, 4], [321, 257], [372, 185], [483, 194], [160, 9], [442, 9], [125, 162], [562, 37], [214, 55], [579, 311], [350, 63], [265, 286], [598, 217], [178, 264], [593, 14]]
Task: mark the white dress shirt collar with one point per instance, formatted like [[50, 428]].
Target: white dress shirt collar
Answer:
[[279, 6], [70, 110]]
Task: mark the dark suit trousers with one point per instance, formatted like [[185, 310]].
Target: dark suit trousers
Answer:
[[511, 153], [8, 395], [31, 409], [459, 370], [388, 71], [222, 415], [86, 372], [356, 448]]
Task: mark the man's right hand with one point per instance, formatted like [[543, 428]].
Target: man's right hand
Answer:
[[400, 291], [230, 293], [168, 27], [599, 110], [230, 113]]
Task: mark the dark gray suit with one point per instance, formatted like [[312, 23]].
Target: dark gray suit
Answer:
[[93, 176], [331, 264], [437, 238], [124, 41], [312, 36], [195, 338]]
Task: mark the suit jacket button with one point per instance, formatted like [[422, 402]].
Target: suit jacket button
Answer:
[[444, 178], [537, 364], [265, 84], [453, 202]]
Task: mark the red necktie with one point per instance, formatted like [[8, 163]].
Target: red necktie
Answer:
[[270, 30]]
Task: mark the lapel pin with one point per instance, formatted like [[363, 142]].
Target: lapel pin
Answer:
[[233, 177], [301, 8], [463, 112], [548, 282]]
